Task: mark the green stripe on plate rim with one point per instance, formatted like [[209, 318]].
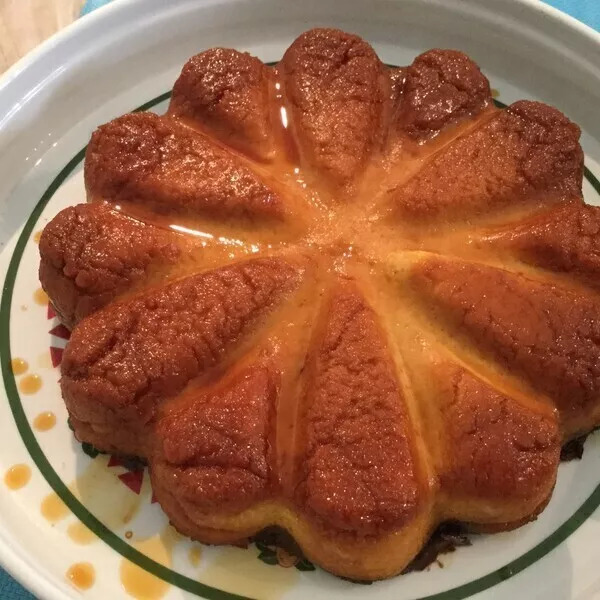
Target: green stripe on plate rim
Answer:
[[129, 552]]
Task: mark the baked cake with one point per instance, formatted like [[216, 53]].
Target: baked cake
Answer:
[[342, 299]]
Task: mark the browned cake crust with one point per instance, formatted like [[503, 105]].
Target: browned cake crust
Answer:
[[526, 154], [493, 443], [92, 253], [545, 333], [121, 363], [495, 451], [564, 240], [340, 299], [226, 93], [439, 87], [335, 88], [215, 449], [164, 166], [358, 467]]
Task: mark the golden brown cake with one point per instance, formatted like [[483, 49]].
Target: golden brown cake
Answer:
[[345, 300]]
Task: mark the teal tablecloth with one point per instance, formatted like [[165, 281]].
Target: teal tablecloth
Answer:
[[587, 11]]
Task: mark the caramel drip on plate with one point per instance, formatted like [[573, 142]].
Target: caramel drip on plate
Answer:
[[81, 575], [17, 476], [19, 366], [100, 490], [137, 582], [80, 534], [40, 297], [195, 555], [30, 384], [44, 421], [53, 509]]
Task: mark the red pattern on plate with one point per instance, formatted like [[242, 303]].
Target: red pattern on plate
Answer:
[[60, 331], [115, 461], [133, 480], [56, 355], [51, 313]]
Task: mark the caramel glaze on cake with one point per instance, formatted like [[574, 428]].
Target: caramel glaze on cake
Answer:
[[342, 299]]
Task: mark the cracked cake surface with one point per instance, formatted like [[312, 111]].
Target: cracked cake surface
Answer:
[[342, 299]]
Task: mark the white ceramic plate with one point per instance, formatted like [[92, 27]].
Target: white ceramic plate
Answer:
[[126, 56]]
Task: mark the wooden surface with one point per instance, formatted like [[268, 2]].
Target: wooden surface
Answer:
[[26, 23]]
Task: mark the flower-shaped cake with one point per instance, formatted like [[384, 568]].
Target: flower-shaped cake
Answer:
[[342, 299]]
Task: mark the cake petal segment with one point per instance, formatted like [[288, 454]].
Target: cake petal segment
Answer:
[[548, 335], [495, 451], [122, 362], [439, 88], [165, 167], [359, 470], [213, 452], [336, 92], [226, 93], [565, 240], [502, 456], [525, 157], [90, 254]]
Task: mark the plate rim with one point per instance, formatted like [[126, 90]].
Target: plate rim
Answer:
[[108, 11]]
